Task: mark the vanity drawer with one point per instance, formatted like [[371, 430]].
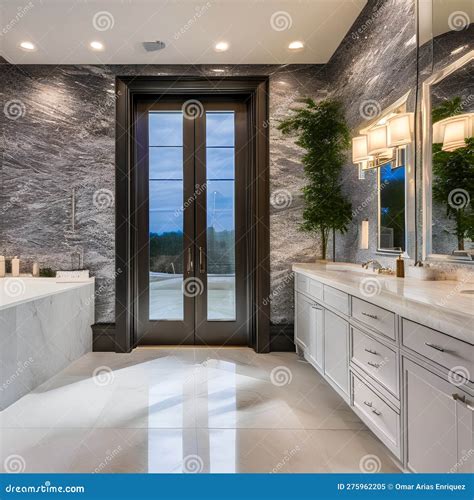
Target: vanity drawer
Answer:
[[376, 359], [374, 316], [451, 353], [337, 299], [377, 414], [302, 283], [316, 289]]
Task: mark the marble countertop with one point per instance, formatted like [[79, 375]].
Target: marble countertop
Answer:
[[436, 304]]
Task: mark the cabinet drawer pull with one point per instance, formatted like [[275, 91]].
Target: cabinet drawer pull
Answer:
[[377, 412], [375, 365], [317, 308], [371, 351], [368, 403], [462, 399], [373, 316], [434, 346]]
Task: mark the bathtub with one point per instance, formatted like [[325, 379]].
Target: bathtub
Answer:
[[44, 326]]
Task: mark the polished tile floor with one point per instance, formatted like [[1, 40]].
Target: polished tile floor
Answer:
[[187, 410]]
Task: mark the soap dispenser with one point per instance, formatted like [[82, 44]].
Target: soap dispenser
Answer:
[[400, 267]]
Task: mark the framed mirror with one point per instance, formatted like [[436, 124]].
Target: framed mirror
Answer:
[[448, 162]]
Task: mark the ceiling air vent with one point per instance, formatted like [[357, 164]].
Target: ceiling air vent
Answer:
[[154, 46]]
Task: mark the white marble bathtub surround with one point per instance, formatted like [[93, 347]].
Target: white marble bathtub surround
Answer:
[[43, 335]]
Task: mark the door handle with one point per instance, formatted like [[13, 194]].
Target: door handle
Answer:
[[190, 265], [202, 265]]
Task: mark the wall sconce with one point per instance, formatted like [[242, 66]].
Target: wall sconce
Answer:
[[452, 132], [384, 143], [364, 235]]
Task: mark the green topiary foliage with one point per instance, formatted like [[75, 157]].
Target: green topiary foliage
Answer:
[[323, 133], [453, 177]]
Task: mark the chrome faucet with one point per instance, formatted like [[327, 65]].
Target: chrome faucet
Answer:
[[375, 265]]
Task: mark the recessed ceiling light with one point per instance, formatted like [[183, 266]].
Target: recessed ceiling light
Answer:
[[97, 45], [221, 46], [218, 70], [27, 46], [296, 45]]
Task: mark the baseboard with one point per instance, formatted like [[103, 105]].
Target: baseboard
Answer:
[[103, 337], [281, 338]]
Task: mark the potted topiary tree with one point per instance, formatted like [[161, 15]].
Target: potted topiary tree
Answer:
[[323, 133]]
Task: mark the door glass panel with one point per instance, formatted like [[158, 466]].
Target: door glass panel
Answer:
[[166, 215], [220, 193]]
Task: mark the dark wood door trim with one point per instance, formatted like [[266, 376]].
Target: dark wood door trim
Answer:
[[129, 91]]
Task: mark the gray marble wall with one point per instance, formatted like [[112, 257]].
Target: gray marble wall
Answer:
[[373, 67], [58, 135]]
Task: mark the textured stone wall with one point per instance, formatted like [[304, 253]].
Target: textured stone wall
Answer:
[[58, 135], [373, 67]]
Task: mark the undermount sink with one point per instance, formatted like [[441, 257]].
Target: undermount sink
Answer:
[[349, 267]]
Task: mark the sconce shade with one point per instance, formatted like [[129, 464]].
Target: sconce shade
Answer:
[[377, 140], [359, 149], [399, 130], [453, 131], [364, 235]]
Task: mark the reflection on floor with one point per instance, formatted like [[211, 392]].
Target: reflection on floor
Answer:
[[187, 410]]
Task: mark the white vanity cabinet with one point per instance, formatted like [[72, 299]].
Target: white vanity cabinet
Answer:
[[336, 351], [439, 428], [309, 333], [405, 380]]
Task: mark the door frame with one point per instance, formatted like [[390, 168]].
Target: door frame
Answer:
[[128, 91]]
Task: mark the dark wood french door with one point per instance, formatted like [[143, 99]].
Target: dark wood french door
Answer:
[[192, 160]]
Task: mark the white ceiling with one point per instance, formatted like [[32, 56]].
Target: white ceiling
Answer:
[[63, 29]]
